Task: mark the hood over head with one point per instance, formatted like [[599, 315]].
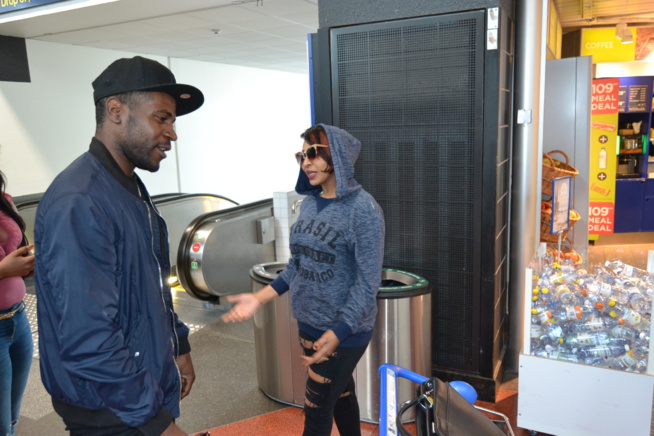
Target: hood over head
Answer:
[[344, 149]]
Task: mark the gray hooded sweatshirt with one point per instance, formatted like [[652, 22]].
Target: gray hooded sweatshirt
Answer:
[[337, 249]]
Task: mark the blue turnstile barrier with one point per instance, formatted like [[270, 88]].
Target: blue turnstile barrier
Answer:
[[388, 407], [388, 375]]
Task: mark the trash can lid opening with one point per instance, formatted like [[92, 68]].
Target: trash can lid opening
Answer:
[[268, 271], [395, 277], [396, 283]]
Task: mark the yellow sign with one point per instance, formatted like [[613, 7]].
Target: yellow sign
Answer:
[[603, 166], [603, 46]]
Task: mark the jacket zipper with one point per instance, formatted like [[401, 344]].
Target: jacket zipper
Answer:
[[150, 207]]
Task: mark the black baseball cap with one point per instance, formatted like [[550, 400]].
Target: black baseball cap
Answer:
[[142, 74]]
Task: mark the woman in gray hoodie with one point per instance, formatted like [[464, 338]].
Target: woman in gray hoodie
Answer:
[[334, 273]]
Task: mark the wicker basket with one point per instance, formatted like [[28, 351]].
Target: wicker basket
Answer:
[[553, 169], [545, 224], [567, 252]]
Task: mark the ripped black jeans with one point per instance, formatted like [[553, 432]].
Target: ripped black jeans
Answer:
[[330, 392]]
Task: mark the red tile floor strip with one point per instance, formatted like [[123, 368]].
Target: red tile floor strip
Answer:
[[289, 421], [285, 422]]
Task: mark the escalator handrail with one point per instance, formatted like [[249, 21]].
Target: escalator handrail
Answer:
[[21, 204], [157, 199], [26, 204], [186, 242], [185, 196]]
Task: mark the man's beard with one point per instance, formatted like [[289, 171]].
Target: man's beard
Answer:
[[134, 149]]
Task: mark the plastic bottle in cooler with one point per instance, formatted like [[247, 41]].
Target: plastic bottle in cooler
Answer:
[[603, 350], [583, 277], [623, 331], [587, 338], [593, 323], [544, 329], [634, 359], [563, 355], [617, 266], [643, 339], [567, 313], [604, 274], [556, 277], [564, 295], [591, 286], [620, 295], [539, 313], [639, 302], [591, 302], [547, 297], [646, 287], [628, 315], [605, 305], [535, 293], [552, 329], [636, 273]]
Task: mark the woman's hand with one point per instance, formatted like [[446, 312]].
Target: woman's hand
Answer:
[[323, 347], [245, 306], [19, 263]]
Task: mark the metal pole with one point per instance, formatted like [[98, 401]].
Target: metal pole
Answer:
[[529, 82]]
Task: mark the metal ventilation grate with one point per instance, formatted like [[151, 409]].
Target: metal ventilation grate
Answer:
[[411, 91]]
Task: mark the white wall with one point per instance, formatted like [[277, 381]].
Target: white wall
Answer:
[[624, 69], [242, 141], [239, 144]]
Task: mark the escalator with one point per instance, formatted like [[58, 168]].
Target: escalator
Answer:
[[177, 209], [26, 205], [218, 249], [214, 241]]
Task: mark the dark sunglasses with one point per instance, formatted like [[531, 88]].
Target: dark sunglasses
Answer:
[[310, 153]]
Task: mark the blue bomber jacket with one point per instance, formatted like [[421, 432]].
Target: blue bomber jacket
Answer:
[[108, 334]]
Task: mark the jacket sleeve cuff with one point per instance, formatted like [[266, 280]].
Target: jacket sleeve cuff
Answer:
[[279, 285], [342, 331], [158, 423], [184, 345]]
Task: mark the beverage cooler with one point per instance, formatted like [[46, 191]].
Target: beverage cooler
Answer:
[[585, 366]]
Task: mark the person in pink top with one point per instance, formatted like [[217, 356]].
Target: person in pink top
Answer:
[[16, 347]]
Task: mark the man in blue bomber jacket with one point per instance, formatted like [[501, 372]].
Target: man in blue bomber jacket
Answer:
[[113, 354]]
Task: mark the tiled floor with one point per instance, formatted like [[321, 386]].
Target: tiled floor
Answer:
[[288, 421], [226, 399], [630, 248]]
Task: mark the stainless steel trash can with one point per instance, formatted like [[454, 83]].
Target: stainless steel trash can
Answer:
[[402, 336], [277, 348]]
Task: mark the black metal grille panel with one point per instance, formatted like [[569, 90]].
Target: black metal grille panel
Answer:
[[411, 91]]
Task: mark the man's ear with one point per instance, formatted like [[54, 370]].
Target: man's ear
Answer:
[[115, 110]]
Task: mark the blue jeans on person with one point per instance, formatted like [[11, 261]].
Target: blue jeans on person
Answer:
[[16, 350], [330, 396]]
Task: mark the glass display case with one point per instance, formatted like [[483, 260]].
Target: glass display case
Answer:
[[585, 357], [598, 316]]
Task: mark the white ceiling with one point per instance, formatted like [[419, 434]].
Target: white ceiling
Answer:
[[575, 14], [268, 34]]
